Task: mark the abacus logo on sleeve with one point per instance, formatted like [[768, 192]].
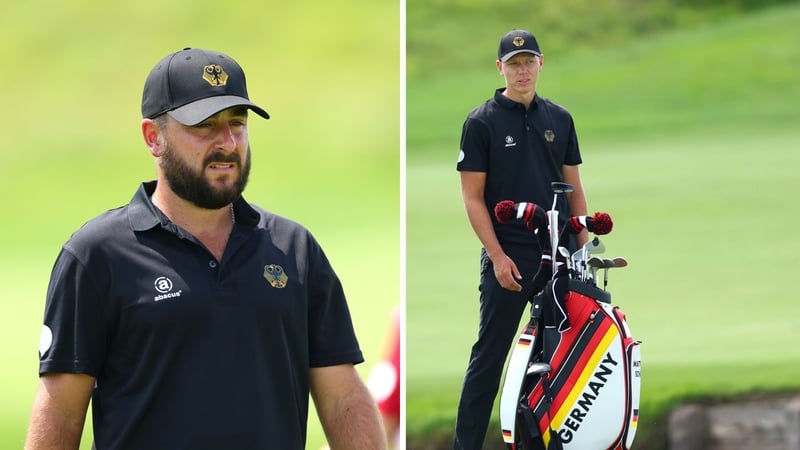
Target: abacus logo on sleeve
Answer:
[[163, 285]]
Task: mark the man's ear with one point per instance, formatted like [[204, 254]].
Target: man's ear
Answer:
[[499, 66], [152, 137]]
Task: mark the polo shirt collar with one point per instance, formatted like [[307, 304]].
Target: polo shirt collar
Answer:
[[506, 102], [143, 215]]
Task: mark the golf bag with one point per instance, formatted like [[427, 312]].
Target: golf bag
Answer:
[[573, 379]]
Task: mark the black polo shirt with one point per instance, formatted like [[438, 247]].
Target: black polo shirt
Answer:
[[190, 353], [522, 151]]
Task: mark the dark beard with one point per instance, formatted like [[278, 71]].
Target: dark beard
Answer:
[[193, 187]]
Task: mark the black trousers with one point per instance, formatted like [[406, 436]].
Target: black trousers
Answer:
[[500, 313]]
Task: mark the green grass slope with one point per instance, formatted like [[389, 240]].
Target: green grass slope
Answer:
[[73, 148], [690, 142]]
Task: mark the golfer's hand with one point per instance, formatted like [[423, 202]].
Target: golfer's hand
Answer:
[[507, 273]]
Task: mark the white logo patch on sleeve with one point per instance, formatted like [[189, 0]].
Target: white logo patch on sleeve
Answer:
[[45, 340]]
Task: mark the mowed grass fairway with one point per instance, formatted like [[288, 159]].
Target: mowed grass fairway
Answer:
[[328, 158], [690, 141]]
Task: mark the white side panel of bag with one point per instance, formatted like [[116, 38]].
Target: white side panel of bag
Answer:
[[512, 386], [636, 387]]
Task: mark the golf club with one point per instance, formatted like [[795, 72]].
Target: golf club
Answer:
[[608, 263], [567, 258], [581, 256], [594, 263]]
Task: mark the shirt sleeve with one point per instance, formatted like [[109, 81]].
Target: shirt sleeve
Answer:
[[573, 154], [73, 333], [474, 154], [332, 338]]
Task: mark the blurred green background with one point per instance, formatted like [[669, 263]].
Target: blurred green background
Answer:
[[688, 119], [329, 75]]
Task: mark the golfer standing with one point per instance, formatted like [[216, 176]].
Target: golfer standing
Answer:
[[512, 147], [191, 318]]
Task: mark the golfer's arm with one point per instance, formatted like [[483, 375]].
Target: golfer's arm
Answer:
[[577, 199], [346, 409], [59, 411], [473, 185]]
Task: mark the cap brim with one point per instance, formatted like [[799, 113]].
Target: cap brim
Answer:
[[509, 55], [196, 112]]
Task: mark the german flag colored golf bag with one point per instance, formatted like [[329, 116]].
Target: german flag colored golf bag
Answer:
[[580, 387], [573, 379]]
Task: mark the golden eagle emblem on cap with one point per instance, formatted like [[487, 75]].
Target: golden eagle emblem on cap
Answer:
[[518, 41], [275, 276], [215, 75]]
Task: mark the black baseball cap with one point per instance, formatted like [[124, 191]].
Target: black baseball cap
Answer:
[[192, 85], [517, 41]]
